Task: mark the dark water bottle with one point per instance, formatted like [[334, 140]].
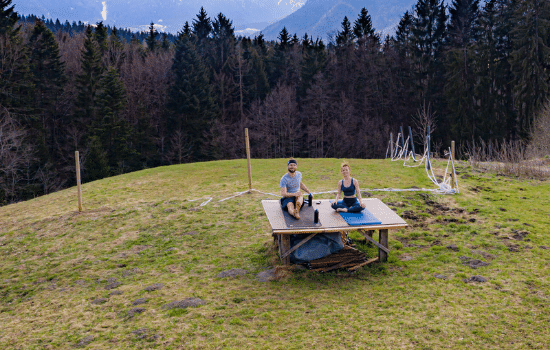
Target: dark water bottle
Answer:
[[310, 199], [316, 216]]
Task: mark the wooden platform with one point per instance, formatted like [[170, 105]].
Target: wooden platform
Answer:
[[331, 221]]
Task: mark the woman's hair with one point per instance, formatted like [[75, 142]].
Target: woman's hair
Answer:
[[344, 163]]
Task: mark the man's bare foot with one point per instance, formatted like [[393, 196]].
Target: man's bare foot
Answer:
[[344, 210], [297, 214], [291, 211]]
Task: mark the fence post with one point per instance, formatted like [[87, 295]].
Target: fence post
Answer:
[[391, 144], [248, 159], [77, 159]]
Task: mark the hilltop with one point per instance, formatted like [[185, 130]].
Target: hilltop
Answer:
[[140, 266]]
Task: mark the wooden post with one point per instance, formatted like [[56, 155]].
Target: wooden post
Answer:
[[248, 158], [383, 239], [77, 158], [285, 246], [391, 144], [453, 149]]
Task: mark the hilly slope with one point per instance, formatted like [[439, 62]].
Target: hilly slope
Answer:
[[320, 18], [140, 267]]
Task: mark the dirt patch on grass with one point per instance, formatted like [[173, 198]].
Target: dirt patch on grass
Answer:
[[85, 341], [478, 279], [183, 304], [153, 287], [232, 273], [473, 263]]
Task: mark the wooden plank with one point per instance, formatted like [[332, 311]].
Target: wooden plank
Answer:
[[334, 267], [285, 245], [383, 253], [363, 264], [380, 246], [337, 229], [304, 241]]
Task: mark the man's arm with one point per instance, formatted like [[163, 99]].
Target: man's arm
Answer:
[[303, 187], [285, 194]]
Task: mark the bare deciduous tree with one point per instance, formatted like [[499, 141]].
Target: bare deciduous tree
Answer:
[[14, 155], [425, 119], [539, 144]]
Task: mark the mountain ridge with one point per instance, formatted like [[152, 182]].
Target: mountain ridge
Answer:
[[322, 19]]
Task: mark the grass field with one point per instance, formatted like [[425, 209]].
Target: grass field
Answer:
[[108, 277]]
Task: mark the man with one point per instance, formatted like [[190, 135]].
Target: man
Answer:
[[291, 184]]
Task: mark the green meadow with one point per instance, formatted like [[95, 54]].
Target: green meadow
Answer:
[[108, 277]]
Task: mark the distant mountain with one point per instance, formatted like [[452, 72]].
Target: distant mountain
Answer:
[[168, 15], [321, 18]]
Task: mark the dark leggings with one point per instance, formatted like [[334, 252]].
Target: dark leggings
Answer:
[[351, 204]]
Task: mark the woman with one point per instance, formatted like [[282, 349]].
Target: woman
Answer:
[[350, 187]]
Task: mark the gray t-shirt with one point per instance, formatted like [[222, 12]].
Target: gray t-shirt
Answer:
[[292, 184]]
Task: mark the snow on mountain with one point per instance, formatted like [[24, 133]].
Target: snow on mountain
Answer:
[[323, 18]]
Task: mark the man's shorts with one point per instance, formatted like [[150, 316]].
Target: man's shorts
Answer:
[[286, 200]]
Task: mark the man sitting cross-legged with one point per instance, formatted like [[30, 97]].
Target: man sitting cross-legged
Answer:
[[291, 184]]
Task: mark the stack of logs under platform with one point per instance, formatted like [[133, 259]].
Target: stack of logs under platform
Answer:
[[331, 221], [347, 258]]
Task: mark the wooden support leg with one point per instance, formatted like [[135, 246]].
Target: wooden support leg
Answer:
[[370, 233], [382, 255], [285, 246]]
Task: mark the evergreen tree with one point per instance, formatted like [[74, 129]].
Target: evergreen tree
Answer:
[[110, 126], [403, 35], [530, 59], [429, 30], [202, 28], [259, 43], [151, 40], [493, 71], [190, 101], [314, 61], [363, 27], [87, 82], [48, 79], [294, 40], [461, 78], [257, 79], [345, 36], [279, 61], [284, 40], [165, 44], [186, 29], [96, 166], [223, 35], [8, 17], [15, 83], [100, 36]]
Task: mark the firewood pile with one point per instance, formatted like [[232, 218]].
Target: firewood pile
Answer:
[[347, 258]]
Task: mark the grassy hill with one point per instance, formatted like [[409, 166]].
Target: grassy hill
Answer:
[[108, 277]]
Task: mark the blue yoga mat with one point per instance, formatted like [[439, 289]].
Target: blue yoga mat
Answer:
[[365, 217]]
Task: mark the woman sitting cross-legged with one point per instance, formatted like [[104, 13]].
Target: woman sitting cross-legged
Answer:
[[350, 187]]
